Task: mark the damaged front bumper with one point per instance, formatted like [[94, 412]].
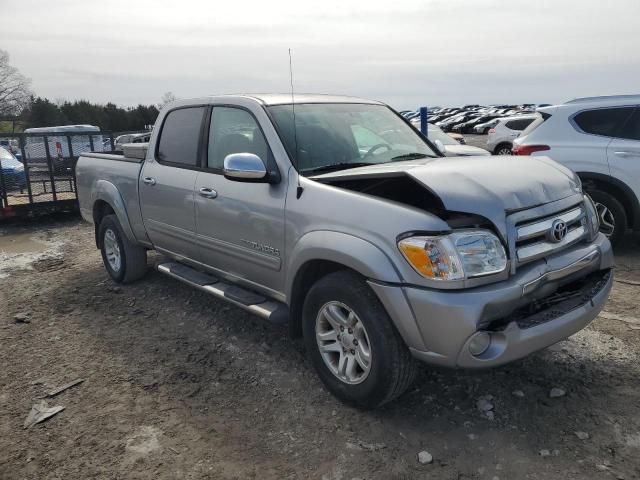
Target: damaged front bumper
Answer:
[[545, 302]]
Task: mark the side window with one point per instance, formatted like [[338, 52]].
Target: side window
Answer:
[[631, 129], [180, 136], [234, 130], [603, 121], [520, 124]]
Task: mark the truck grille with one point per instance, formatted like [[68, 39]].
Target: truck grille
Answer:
[[534, 239]]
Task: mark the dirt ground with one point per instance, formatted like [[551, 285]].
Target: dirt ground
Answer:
[[179, 385]]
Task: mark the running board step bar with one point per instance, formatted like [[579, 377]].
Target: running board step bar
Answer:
[[271, 310]]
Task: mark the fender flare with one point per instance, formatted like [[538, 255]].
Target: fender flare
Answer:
[[109, 193], [353, 252]]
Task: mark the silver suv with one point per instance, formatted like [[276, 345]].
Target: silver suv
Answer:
[[335, 216], [599, 139]]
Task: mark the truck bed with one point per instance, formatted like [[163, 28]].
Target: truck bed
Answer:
[[101, 175]]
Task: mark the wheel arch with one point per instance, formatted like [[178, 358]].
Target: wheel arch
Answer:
[[108, 200], [322, 252], [502, 144], [617, 188]]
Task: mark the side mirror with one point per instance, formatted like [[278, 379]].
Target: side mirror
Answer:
[[244, 167], [439, 146]]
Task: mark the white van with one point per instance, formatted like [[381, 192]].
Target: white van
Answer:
[[58, 140]]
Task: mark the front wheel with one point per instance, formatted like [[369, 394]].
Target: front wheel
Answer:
[[124, 261], [352, 343], [612, 215]]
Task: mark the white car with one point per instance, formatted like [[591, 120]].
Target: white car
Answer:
[[450, 147], [599, 139], [131, 138], [483, 128], [500, 138]]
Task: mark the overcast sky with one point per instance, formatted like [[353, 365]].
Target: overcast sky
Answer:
[[407, 53]]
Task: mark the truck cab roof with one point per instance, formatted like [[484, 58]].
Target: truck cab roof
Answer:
[[276, 99]]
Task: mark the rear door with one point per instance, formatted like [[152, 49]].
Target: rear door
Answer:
[[589, 150], [240, 225], [623, 152], [167, 182]]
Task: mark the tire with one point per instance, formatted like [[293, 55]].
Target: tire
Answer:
[[503, 149], [132, 259], [613, 217], [391, 368]]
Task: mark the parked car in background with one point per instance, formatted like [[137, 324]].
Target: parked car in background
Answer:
[[121, 140], [10, 144], [500, 138], [483, 128], [599, 139], [13, 176], [468, 126], [450, 147]]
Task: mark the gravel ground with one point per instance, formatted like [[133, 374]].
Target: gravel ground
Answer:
[[179, 385]]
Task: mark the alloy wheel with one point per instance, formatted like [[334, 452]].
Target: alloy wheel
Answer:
[[112, 250], [607, 220], [343, 343]]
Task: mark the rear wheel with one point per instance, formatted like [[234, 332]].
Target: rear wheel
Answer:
[[503, 149], [612, 215], [351, 342], [124, 261]]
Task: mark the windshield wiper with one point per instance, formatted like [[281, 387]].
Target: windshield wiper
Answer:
[[412, 156], [337, 166]]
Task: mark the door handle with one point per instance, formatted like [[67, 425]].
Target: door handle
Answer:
[[149, 181], [625, 153], [208, 192]]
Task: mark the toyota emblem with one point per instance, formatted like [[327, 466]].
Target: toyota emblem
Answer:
[[558, 231]]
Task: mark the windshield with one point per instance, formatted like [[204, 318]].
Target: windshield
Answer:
[[4, 154], [339, 136]]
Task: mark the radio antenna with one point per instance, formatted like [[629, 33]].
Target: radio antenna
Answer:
[[299, 190]]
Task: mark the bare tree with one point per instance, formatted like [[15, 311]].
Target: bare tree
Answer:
[[168, 97], [15, 91]]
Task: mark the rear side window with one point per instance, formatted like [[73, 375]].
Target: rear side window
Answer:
[[180, 136], [519, 124], [603, 121], [541, 117], [631, 129]]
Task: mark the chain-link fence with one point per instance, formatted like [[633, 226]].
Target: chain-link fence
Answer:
[[37, 170]]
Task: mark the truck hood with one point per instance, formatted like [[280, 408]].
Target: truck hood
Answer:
[[489, 186]]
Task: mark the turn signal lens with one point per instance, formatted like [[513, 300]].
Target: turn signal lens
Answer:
[[432, 257], [459, 255]]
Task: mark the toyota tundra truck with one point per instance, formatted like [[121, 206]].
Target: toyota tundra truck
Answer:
[[335, 216]]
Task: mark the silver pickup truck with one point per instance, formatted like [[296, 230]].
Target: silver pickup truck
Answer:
[[334, 215]]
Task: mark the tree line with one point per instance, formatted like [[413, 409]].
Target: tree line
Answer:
[[20, 108], [41, 112]]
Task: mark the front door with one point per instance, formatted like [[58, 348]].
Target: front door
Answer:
[[167, 184], [240, 225]]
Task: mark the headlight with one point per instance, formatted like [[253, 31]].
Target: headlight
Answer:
[[592, 216], [18, 168], [459, 255]]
